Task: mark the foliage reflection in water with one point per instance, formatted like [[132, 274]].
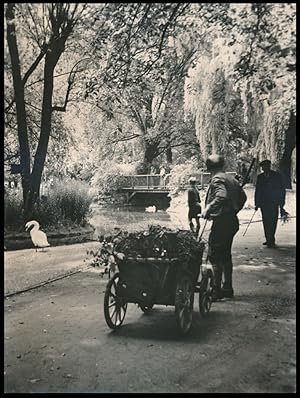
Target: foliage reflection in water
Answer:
[[105, 219]]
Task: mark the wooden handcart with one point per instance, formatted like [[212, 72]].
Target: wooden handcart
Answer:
[[159, 281]]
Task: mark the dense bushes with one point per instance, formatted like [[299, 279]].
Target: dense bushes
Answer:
[[110, 177], [67, 203], [13, 204]]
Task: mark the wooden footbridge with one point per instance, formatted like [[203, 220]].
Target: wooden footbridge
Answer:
[[151, 188], [145, 186]]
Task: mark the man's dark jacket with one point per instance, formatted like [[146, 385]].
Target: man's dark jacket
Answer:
[[194, 202], [269, 190], [225, 195]]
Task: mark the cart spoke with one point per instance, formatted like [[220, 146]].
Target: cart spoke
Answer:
[[120, 314], [184, 320], [184, 303], [112, 304], [181, 313], [205, 301], [117, 318], [113, 312]]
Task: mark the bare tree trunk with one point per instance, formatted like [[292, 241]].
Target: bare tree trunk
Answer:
[[150, 146], [61, 21], [47, 110], [169, 154], [151, 152], [286, 160], [19, 100], [41, 151]]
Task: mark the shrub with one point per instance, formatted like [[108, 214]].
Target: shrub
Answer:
[[110, 177], [13, 208], [67, 202]]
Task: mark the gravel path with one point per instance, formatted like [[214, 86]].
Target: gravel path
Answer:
[[27, 268]]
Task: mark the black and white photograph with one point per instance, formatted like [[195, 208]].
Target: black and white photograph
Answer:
[[149, 198]]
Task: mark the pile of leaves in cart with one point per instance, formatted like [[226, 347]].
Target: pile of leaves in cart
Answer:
[[155, 242]]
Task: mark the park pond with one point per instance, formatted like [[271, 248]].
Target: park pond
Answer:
[[105, 218], [135, 218]]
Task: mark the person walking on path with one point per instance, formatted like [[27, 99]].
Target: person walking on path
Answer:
[[269, 197], [162, 175], [224, 199], [194, 206]]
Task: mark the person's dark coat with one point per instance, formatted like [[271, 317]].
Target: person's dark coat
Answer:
[[194, 202], [225, 195], [269, 190]]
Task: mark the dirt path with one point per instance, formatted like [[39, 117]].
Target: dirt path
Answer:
[[27, 268], [56, 338]]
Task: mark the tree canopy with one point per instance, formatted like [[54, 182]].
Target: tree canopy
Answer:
[[147, 83]]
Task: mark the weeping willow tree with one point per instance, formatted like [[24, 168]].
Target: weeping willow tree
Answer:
[[277, 140], [251, 57], [272, 85], [217, 107]]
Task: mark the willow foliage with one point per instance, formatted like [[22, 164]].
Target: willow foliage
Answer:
[[271, 143], [248, 65], [216, 105]]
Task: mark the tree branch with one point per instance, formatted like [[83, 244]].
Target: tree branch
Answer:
[[161, 42], [27, 75], [143, 18], [137, 116], [70, 84], [9, 157], [125, 138], [34, 107]]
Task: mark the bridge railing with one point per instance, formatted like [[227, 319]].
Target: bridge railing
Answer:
[[145, 181], [149, 181]]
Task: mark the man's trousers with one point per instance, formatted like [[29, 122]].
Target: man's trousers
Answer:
[[270, 218], [223, 229]]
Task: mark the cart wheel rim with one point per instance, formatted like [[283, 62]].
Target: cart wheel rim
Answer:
[[205, 296], [206, 303], [184, 304], [114, 307]]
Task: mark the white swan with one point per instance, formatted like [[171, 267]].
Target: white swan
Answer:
[[39, 238], [150, 209]]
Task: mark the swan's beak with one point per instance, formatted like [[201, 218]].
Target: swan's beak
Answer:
[[27, 226]]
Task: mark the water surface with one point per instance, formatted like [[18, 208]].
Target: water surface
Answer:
[[105, 219]]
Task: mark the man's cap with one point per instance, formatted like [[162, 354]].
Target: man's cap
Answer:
[[215, 162], [192, 179], [265, 162]]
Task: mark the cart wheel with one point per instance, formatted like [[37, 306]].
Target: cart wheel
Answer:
[[146, 308], [114, 307], [205, 293], [184, 300]]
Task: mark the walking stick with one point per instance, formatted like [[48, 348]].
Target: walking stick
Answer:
[[249, 223], [200, 236], [245, 179]]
